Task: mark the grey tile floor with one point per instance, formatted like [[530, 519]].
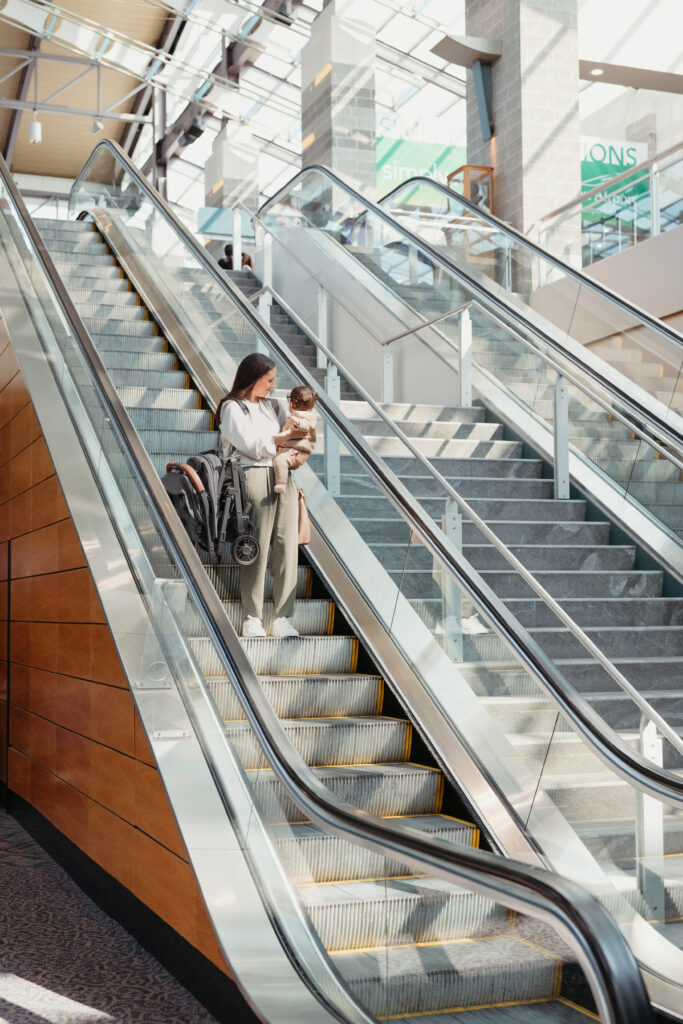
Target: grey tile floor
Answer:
[[64, 961]]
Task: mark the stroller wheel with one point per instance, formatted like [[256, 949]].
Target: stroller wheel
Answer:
[[245, 549]]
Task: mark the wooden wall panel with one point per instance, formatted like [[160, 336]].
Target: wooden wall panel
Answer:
[[76, 749]]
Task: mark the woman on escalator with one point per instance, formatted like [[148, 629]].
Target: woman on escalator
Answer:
[[252, 424]]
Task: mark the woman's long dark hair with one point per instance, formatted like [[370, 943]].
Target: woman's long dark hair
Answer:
[[252, 368]]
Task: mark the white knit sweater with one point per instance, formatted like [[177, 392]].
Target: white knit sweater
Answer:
[[251, 432]]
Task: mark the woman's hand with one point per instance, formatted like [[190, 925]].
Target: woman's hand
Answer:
[[289, 434]]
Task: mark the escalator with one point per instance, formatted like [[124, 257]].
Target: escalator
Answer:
[[638, 346], [368, 926]]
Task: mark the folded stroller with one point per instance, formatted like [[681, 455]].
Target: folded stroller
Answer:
[[209, 495]]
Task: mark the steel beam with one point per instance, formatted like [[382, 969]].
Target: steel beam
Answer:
[[167, 42], [53, 108], [22, 93]]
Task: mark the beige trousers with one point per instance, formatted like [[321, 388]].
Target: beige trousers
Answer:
[[286, 459], [276, 520]]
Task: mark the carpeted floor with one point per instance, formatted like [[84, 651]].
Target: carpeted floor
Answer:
[[63, 961]]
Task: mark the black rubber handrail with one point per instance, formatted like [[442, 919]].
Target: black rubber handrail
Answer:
[[640, 411], [593, 935]]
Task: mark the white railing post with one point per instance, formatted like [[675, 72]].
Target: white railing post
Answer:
[[387, 374], [332, 446], [650, 829], [265, 304], [451, 595], [507, 269], [413, 265], [465, 360], [237, 239], [561, 438], [267, 260], [323, 326], [655, 220]]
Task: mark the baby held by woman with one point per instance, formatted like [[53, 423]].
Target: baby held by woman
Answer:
[[295, 451]]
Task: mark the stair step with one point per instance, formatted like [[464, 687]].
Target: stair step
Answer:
[[288, 656], [408, 412], [178, 442], [417, 979], [486, 508], [390, 912], [311, 696], [312, 855], [171, 419], [226, 580], [606, 611], [156, 362], [330, 741], [511, 532], [533, 556], [99, 327], [385, 790], [155, 399], [406, 466], [437, 448], [445, 429]]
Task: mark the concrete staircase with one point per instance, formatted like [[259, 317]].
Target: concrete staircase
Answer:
[[405, 945]]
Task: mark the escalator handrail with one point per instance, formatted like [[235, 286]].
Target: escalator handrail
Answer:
[[550, 361], [578, 275], [577, 632], [639, 409], [635, 769], [592, 934]]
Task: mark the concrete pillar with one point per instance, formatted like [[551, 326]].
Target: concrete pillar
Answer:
[[338, 95], [535, 151], [231, 172]]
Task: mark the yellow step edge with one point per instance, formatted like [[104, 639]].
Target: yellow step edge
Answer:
[[409, 740], [467, 1009], [579, 1009], [438, 801], [380, 695], [379, 878], [354, 654], [330, 618], [309, 583], [418, 945]]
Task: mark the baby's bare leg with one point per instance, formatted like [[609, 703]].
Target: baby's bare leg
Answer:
[[284, 460], [281, 468]]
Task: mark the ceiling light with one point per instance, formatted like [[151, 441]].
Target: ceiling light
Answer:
[[97, 125], [35, 129], [596, 72]]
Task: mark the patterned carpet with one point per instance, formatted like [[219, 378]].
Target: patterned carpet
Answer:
[[63, 961]]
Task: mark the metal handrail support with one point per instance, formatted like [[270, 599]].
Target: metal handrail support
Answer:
[[649, 836], [644, 706]]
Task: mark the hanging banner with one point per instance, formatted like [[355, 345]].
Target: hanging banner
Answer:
[[604, 159], [408, 149]]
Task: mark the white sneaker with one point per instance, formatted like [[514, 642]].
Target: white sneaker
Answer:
[[253, 627], [282, 627]]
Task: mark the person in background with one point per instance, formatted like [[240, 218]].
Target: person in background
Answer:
[[247, 262], [254, 426], [226, 262]]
